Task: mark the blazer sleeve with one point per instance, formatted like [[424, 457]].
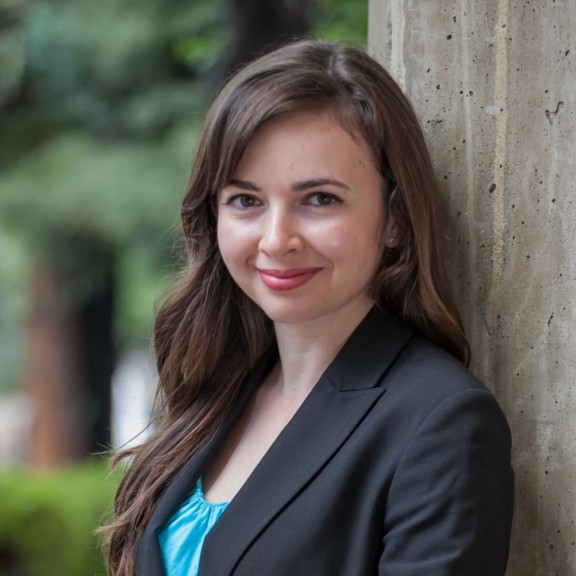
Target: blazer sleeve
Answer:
[[449, 507]]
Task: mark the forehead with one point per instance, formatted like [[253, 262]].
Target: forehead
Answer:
[[304, 140]]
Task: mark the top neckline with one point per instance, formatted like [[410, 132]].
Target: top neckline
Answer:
[[199, 491]]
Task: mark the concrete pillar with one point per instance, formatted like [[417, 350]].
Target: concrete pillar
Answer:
[[494, 83]]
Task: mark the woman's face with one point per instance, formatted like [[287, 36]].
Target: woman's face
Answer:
[[301, 226]]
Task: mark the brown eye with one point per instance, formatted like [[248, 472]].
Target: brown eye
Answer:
[[243, 201], [322, 199]]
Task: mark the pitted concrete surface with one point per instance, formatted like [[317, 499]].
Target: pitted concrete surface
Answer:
[[494, 84]]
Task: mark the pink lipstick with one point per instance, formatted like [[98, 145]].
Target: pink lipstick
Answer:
[[287, 279]]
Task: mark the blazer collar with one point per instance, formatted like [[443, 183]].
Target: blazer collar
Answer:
[[369, 352], [342, 397]]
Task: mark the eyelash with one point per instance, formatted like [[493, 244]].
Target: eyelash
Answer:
[[238, 201], [333, 199], [316, 199]]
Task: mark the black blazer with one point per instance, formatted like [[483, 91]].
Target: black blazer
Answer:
[[397, 464]]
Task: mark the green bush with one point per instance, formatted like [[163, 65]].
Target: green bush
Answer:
[[47, 520]]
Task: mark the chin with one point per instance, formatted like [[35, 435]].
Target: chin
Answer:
[[288, 317], [291, 314]]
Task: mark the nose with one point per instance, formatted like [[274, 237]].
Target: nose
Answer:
[[280, 234]]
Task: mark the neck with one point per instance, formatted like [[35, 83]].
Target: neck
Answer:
[[306, 350]]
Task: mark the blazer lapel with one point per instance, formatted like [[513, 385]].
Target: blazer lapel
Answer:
[[149, 558], [343, 396]]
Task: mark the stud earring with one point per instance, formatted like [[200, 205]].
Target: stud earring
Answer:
[[391, 242]]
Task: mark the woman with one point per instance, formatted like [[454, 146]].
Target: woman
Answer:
[[316, 417]]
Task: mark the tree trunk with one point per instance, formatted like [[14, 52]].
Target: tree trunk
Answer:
[[71, 354], [259, 26]]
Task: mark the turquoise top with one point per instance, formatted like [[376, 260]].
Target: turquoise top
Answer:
[[182, 537]]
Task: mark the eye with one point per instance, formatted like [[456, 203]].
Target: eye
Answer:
[[242, 201], [322, 199]]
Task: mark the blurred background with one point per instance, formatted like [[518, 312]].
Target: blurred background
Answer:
[[100, 105]]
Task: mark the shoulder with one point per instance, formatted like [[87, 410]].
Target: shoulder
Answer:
[[421, 383], [429, 390], [386, 351], [449, 465], [427, 369]]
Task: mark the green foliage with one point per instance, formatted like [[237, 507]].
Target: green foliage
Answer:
[[100, 103], [14, 264], [342, 20], [47, 520], [121, 192], [99, 113]]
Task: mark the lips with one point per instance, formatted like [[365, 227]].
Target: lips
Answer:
[[287, 279]]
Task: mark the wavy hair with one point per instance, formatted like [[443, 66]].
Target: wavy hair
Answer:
[[208, 334]]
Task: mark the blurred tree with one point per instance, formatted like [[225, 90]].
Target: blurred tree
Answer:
[[99, 106], [93, 156], [342, 20], [260, 25]]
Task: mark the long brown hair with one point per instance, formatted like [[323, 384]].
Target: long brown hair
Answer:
[[208, 334]]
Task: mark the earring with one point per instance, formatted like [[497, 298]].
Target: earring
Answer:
[[391, 242]]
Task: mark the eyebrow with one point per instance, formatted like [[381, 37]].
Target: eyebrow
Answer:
[[244, 185], [297, 186]]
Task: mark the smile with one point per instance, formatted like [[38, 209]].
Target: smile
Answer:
[[287, 279]]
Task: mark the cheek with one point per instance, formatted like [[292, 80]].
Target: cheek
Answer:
[[352, 242], [226, 244], [235, 243], [337, 239]]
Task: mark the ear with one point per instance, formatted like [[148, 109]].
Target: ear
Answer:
[[392, 234]]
